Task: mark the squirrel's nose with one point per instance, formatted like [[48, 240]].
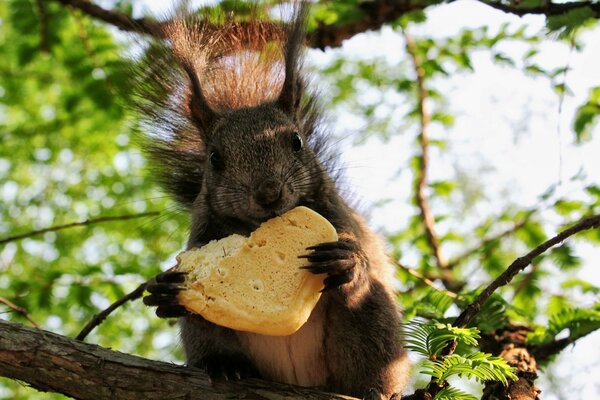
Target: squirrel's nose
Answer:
[[268, 192]]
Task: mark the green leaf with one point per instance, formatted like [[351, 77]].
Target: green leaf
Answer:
[[481, 366], [451, 393], [564, 257], [566, 23], [586, 116], [578, 321], [430, 338], [433, 304], [443, 188]]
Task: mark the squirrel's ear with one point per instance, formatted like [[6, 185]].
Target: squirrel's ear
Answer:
[[291, 92], [201, 113]]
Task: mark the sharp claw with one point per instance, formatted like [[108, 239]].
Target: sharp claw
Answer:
[[175, 311], [171, 277], [339, 245], [164, 288], [160, 300], [329, 255]]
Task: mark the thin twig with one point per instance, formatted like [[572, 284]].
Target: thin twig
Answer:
[[75, 224], [101, 316], [421, 184], [87, 46], [519, 264], [44, 21], [545, 351], [19, 310], [468, 253], [423, 279]]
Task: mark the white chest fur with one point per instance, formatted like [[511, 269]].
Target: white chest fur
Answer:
[[296, 359]]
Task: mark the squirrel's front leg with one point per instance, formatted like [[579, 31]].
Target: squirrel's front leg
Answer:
[[208, 346], [341, 261]]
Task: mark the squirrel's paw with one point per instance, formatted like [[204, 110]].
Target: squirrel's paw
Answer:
[[228, 366], [163, 289], [336, 259]]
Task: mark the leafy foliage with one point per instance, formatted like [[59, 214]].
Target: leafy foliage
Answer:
[[483, 367], [433, 304], [451, 393], [578, 321], [67, 155], [430, 338]]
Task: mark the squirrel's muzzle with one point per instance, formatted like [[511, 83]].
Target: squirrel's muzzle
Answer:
[[268, 193]]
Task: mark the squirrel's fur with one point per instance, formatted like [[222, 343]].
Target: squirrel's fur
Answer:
[[234, 136]]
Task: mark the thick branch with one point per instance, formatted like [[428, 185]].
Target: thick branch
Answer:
[[115, 17], [50, 362], [519, 264], [547, 8], [374, 15], [510, 345], [80, 223]]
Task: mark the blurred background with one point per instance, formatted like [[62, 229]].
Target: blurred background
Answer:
[[511, 106]]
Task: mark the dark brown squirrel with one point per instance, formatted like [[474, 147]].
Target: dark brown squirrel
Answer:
[[236, 139]]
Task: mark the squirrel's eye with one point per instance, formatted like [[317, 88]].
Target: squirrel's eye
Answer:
[[215, 160], [296, 143]]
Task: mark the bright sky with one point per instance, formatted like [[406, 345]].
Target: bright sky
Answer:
[[507, 131]]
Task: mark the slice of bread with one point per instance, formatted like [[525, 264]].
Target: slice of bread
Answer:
[[255, 284]]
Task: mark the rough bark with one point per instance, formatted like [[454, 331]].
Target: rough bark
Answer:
[[54, 363], [510, 345]]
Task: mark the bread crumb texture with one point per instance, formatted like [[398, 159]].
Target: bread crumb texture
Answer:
[[255, 284]]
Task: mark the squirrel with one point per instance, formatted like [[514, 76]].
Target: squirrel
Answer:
[[236, 139]]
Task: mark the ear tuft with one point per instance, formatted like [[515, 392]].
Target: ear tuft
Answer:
[[289, 99], [201, 112]]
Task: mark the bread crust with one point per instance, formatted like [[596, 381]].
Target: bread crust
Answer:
[[256, 284]]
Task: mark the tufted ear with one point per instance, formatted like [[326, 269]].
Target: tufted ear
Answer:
[[291, 93], [201, 112]]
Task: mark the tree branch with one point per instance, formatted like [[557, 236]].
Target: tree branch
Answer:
[[545, 351], [374, 15], [44, 21], [519, 264], [54, 363], [116, 17], [421, 184], [75, 224], [510, 345], [548, 8], [486, 241], [423, 279], [19, 310], [101, 316]]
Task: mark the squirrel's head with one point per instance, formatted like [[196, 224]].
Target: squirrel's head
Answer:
[[234, 128], [258, 164]]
